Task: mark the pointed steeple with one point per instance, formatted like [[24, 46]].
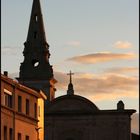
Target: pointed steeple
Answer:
[[70, 90], [36, 27], [36, 52], [36, 71]]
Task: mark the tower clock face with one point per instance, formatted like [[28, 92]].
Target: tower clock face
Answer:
[[35, 63]]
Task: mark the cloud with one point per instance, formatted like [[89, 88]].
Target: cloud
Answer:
[[110, 97], [101, 57], [123, 70], [6, 50], [100, 87], [123, 44], [73, 43], [84, 75]]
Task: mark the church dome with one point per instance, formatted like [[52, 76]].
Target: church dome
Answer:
[[71, 104]]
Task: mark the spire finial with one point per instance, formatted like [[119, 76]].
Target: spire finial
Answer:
[[70, 74], [70, 90]]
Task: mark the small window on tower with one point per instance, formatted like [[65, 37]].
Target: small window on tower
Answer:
[[36, 18], [35, 63]]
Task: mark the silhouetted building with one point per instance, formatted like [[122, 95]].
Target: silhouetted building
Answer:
[[73, 117], [36, 71], [21, 111]]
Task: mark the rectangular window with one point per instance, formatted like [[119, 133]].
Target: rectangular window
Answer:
[[19, 136], [27, 137], [5, 132], [19, 104], [36, 18], [10, 134], [39, 111], [8, 100], [35, 110], [27, 107]]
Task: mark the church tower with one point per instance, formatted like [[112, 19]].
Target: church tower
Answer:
[[36, 71]]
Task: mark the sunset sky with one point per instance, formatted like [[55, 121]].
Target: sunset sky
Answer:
[[95, 39]]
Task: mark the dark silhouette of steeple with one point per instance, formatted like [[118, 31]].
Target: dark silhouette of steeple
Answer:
[[36, 71], [36, 27], [70, 90]]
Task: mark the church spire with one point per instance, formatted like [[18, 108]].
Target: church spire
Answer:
[[36, 26], [36, 51], [36, 38], [70, 90], [36, 71]]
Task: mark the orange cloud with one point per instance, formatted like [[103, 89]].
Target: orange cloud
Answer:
[[123, 44], [101, 57], [84, 75], [114, 95], [100, 87], [123, 70]]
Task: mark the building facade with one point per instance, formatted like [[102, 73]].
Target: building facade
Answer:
[[73, 117], [21, 118]]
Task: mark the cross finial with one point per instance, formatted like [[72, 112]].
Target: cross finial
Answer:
[[70, 74], [70, 90]]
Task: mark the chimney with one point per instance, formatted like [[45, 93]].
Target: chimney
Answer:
[[6, 73]]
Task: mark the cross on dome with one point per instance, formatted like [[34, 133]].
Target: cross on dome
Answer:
[[70, 74], [70, 90]]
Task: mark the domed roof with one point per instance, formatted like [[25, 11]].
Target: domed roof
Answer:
[[71, 104]]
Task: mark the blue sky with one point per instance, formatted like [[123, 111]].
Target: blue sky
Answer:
[[96, 39]]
